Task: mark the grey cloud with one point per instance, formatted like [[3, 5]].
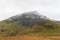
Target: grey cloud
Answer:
[[45, 7]]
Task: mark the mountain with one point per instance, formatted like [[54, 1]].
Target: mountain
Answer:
[[28, 18], [28, 23]]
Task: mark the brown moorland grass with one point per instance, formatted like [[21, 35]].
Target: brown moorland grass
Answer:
[[31, 38]]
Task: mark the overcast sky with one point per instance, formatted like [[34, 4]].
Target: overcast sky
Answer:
[[49, 8]]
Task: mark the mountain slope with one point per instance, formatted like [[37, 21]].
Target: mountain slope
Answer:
[[28, 18], [29, 23]]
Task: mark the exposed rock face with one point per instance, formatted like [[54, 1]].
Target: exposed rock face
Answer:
[[28, 18]]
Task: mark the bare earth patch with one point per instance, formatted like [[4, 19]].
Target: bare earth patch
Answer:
[[31, 38]]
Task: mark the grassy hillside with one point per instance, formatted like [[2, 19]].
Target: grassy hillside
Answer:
[[20, 25], [45, 28]]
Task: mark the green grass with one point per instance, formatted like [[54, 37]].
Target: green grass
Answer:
[[45, 32], [13, 28]]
